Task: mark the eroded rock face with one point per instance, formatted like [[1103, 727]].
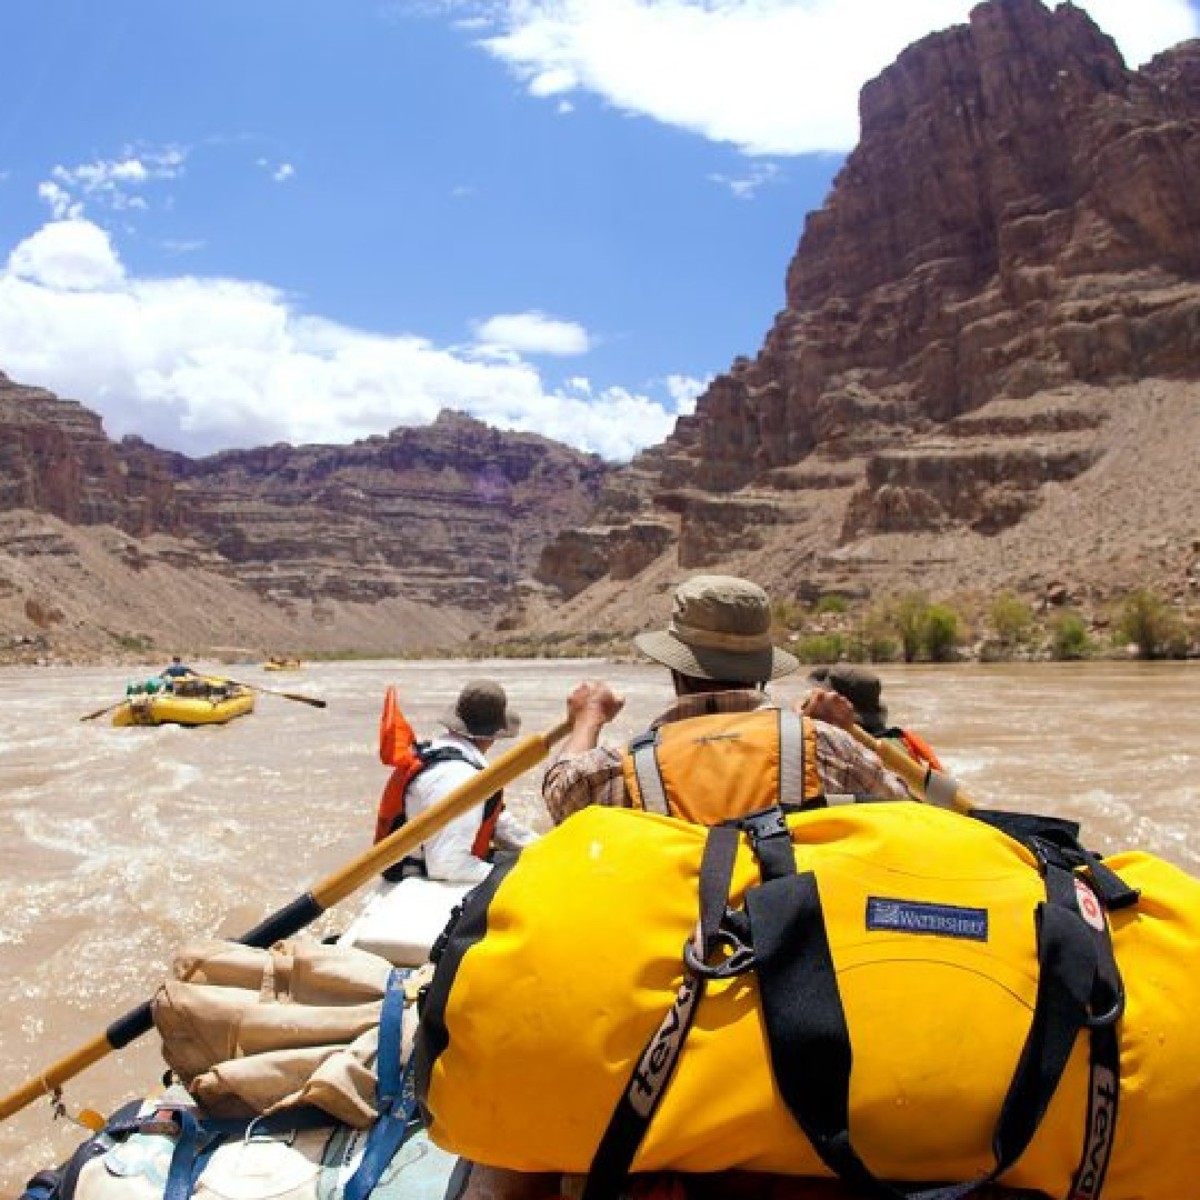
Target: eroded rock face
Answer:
[[1020, 217], [56, 458], [1019, 214], [1006, 266], [451, 514], [455, 512]]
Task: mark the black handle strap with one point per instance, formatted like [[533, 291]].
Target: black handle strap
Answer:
[[787, 944], [656, 1064], [810, 1042]]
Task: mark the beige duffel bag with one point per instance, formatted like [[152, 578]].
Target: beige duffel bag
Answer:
[[251, 1031]]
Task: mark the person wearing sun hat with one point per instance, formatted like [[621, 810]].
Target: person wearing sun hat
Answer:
[[864, 689], [478, 716], [721, 654]]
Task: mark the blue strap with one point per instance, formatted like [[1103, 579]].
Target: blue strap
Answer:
[[395, 1097], [192, 1152], [45, 1185], [391, 1042], [199, 1139]]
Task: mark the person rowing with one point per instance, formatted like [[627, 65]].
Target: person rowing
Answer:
[[460, 851], [721, 656], [863, 689]]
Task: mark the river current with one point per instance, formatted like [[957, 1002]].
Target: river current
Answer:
[[118, 846]]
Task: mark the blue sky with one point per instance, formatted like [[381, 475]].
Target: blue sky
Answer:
[[225, 223]]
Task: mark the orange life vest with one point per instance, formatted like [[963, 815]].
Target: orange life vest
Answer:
[[711, 768], [916, 747], [399, 748]]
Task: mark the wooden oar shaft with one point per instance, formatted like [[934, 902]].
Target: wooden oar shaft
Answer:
[[101, 711], [935, 786], [253, 687], [305, 909], [55, 1076]]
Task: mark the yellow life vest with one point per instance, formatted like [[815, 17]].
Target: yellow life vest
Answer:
[[711, 768], [561, 997]]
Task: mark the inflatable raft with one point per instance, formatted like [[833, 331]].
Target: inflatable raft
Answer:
[[192, 701], [401, 920]]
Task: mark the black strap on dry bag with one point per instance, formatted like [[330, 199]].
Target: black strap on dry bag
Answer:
[[810, 1043], [781, 934], [656, 1064]]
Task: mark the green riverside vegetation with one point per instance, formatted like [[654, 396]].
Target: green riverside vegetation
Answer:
[[906, 627], [912, 627]]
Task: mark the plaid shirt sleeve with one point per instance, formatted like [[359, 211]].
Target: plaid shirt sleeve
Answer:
[[846, 768], [593, 777]]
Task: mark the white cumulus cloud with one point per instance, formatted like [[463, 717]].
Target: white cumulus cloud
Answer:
[[771, 77], [532, 333], [200, 364], [67, 256]]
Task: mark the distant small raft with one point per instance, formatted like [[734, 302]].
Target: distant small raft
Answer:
[[222, 703], [285, 664]]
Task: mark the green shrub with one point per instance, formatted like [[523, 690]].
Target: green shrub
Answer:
[[1069, 640], [789, 614], [137, 643], [940, 632], [821, 648], [832, 603], [1149, 624], [1012, 620], [873, 639], [908, 618]]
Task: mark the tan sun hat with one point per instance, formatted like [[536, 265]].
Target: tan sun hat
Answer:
[[720, 630], [481, 711]]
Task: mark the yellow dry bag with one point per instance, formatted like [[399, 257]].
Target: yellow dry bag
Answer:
[[881, 992]]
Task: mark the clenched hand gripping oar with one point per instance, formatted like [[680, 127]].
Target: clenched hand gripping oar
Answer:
[[934, 786], [253, 687], [307, 908]]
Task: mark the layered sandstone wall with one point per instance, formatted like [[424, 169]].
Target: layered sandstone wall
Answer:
[[1019, 222], [983, 376], [443, 520]]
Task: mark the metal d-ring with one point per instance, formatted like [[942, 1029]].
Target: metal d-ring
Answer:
[[1112, 1016], [739, 960]]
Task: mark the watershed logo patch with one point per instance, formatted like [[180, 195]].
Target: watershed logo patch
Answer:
[[913, 916]]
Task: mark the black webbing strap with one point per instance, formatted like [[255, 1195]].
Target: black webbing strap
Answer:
[[1104, 1089], [716, 874], [771, 841], [810, 1042], [656, 1064], [1057, 839], [1068, 978]]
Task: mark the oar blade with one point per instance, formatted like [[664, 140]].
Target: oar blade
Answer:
[[101, 711]]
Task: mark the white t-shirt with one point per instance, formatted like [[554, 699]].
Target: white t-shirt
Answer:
[[447, 852]]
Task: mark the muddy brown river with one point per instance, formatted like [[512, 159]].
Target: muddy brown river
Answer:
[[119, 845]]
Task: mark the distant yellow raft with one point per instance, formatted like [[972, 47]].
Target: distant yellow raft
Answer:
[[220, 702], [283, 664]]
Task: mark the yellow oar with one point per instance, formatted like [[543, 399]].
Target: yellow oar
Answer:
[[305, 909], [934, 786]]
